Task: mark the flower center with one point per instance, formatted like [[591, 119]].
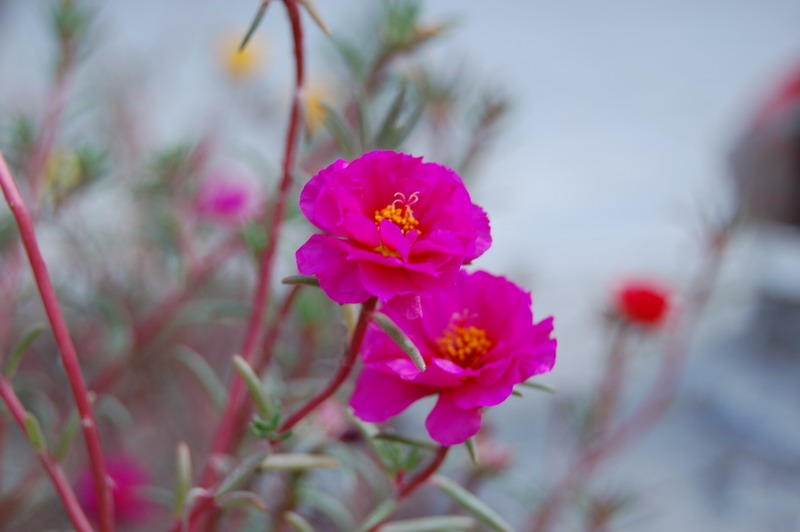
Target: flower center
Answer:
[[399, 211], [464, 345]]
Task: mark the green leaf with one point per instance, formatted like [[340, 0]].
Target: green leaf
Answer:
[[247, 467], [35, 435], [183, 478], [472, 449], [431, 524], [400, 338], [383, 511], [329, 506], [297, 522], [299, 462], [70, 431], [308, 280], [254, 24], [262, 402], [238, 499], [406, 440], [537, 386], [340, 132], [314, 12], [401, 133], [16, 355], [205, 374], [389, 123], [471, 503]]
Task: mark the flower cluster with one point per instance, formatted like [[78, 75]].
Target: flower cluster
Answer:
[[399, 229]]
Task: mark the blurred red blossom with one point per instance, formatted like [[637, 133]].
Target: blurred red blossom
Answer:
[[642, 301], [230, 198], [128, 478]]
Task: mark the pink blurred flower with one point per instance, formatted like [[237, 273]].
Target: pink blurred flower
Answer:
[[127, 476], [478, 340], [394, 226], [642, 302], [229, 198]]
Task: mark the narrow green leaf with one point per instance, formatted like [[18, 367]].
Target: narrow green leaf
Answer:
[[472, 449], [247, 467], [205, 374], [70, 431], [262, 402], [471, 503], [537, 386], [340, 133], [254, 25], [389, 123], [314, 12], [238, 499], [329, 506], [183, 479], [517, 393], [35, 435], [298, 462], [383, 511], [401, 133], [406, 440], [308, 280], [400, 338], [16, 355], [298, 522], [431, 524]]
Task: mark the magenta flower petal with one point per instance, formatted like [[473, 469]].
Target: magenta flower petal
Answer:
[[407, 225], [342, 281], [450, 425], [484, 241], [396, 395], [475, 355]]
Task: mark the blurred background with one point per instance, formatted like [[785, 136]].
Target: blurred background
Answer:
[[610, 159]]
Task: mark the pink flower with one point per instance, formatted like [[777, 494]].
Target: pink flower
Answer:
[[395, 226], [478, 340], [642, 302], [228, 198], [130, 506]]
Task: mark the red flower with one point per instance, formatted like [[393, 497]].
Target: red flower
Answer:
[[642, 302]]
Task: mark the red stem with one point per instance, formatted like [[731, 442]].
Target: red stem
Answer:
[[54, 471], [226, 431], [345, 367], [262, 362], [418, 480], [69, 356]]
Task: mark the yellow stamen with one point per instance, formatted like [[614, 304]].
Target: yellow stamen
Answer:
[[403, 217], [464, 345]]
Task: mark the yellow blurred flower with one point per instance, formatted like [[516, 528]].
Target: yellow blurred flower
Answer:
[[317, 97], [239, 65], [63, 171]]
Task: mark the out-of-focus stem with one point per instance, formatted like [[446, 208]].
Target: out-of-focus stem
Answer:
[[226, 431], [76, 514], [147, 329], [658, 400], [46, 140], [611, 383], [263, 361], [69, 356], [345, 367]]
